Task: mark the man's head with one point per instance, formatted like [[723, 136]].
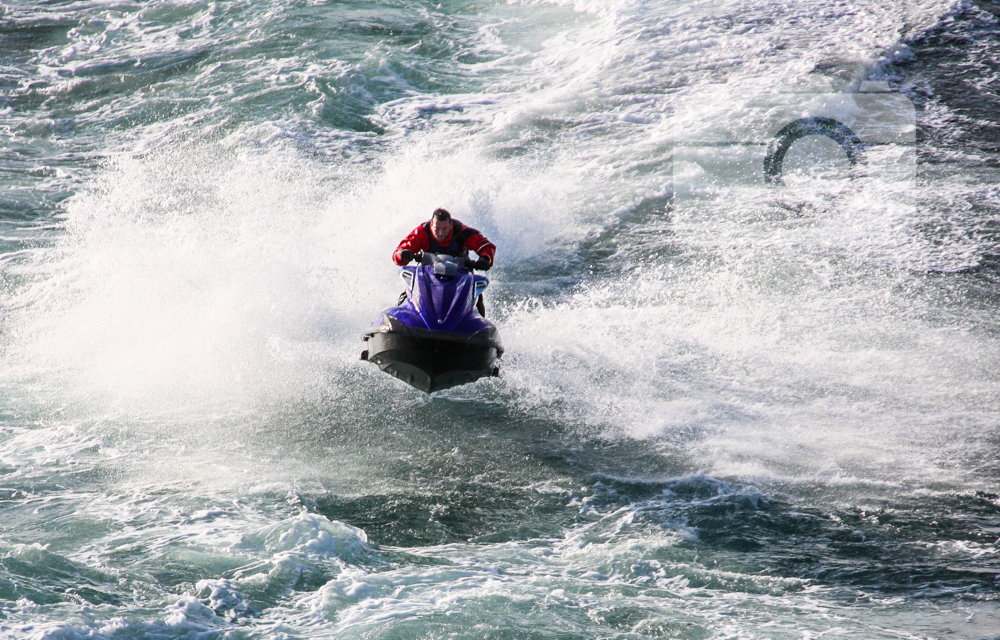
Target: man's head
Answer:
[[441, 225]]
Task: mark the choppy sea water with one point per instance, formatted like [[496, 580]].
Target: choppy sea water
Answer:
[[772, 413]]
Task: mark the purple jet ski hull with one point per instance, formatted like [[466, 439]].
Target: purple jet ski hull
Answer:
[[436, 339]]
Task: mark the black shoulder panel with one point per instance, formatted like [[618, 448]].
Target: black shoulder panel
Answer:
[[463, 236]]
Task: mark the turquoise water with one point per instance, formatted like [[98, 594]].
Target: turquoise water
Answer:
[[761, 414]]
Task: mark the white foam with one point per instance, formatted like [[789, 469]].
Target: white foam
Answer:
[[231, 271], [310, 534]]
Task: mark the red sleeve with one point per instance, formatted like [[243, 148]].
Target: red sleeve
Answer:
[[477, 242], [417, 241]]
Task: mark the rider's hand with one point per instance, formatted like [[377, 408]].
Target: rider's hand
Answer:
[[483, 263], [406, 255]]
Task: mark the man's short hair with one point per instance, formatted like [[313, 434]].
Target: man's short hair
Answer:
[[441, 214]]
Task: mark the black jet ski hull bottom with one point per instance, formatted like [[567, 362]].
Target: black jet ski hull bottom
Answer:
[[432, 363]]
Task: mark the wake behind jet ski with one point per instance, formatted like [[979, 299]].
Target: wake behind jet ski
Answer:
[[436, 339], [437, 336]]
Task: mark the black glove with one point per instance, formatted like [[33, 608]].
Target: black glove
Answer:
[[483, 263], [406, 255]]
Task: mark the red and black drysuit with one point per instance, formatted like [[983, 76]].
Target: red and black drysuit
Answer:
[[462, 240]]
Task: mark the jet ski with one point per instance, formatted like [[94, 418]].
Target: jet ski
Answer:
[[436, 339]]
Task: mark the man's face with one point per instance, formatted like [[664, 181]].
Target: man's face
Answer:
[[441, 229]]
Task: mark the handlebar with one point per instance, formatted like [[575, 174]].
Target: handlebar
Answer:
[[428, 258]]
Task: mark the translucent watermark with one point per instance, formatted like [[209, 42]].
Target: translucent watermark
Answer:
[[866, 131]]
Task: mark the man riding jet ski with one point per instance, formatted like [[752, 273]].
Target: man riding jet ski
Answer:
[[442, 234], [436, 336]]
